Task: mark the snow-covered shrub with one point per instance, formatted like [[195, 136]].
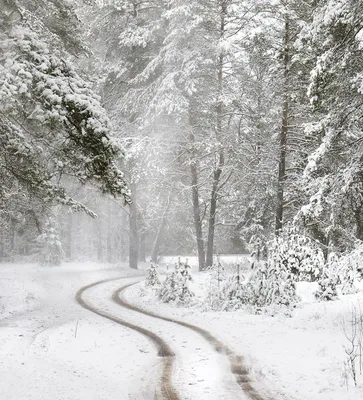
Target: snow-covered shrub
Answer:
[[298, 254], [175, 287], [215, 295], [50, 246], [339, 272], [152, 278], [257, 246], [235, 293], [327, 288], [272, 283], [348, 270]]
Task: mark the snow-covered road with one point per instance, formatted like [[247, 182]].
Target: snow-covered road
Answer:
[[199, 372], [51, 348]]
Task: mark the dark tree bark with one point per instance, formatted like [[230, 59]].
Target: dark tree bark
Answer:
[[195, 198], [283, 135], [220, 157], [196, 214]]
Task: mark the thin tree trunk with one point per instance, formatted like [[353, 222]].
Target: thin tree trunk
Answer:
[[283, 135], [134, 240], [159, 233], [220, 161], [142, 246], [196, 214], [195, 200]]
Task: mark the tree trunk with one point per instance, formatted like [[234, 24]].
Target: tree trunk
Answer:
[[195, 198], [283, 135], [159, 233], [359, 223], [212, 217], [196, 214], [133, 240], [142, 247], [220, 162]]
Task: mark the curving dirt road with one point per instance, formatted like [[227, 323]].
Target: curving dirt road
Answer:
[[238, 367], [167, 390]]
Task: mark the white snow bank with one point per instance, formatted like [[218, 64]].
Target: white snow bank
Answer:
[[299, 358], [52, 348]]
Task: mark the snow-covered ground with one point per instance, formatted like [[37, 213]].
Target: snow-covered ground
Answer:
[[51, 348], [299, 357]]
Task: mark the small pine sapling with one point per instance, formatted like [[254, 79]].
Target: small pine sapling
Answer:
[[216, 295], [176, 288], [152, 278], [185, 293], [235, 292], [273, 282], [168, 290], [327, 287]]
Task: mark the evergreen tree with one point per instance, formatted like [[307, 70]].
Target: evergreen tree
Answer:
[[53, 128], [50, 247], [332, 43]]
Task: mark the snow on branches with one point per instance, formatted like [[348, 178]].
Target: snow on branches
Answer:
[[52, 123]]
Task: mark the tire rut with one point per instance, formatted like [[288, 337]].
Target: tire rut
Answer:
[[166, 390], [237, 362]]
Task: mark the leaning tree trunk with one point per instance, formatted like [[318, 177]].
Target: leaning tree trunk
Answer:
[[220, 157], [134, 239], [283, 135]]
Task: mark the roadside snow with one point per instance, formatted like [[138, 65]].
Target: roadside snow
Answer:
[[298, 358], [51, 348]]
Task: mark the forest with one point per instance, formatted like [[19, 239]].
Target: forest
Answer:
[[181, 199], [134, 129]]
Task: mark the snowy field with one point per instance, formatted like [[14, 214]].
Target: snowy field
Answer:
[[51, 348]]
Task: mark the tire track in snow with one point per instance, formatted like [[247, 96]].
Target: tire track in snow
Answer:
[[237, 362], [166, 391]]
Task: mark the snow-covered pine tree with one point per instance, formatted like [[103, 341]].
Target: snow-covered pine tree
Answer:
[[152, 278], [175, 287], [50, 251], [52, 124], [333, 177]]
